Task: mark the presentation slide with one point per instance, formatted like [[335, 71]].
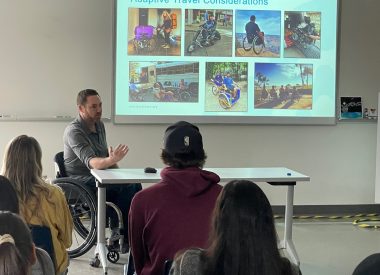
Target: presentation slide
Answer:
[[225, 61]]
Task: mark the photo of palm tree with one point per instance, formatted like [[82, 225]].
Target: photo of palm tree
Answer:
[[283, 86]]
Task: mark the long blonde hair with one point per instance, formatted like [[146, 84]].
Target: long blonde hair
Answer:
[[166, 15], [22, 166]]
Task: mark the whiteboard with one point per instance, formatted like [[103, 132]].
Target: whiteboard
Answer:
[[49, 51]]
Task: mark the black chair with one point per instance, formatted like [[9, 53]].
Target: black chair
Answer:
[[60, 170], [82, 204], [167, 266], [129, 268], [42, 238]]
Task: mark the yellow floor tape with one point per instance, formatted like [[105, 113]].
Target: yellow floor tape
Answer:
[[361, 222]]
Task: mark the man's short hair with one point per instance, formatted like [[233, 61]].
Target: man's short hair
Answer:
[[252, 18], [183, 146], [82, 95]]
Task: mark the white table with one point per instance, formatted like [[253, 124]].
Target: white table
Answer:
[[274, 175]]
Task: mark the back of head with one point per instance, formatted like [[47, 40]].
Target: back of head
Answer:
[[243, 238], [369, 266], [22, 165], [8, 196], [82, 95], [252, 18], [183, 146], [16, 245]]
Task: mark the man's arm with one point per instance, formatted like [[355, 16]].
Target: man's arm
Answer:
[[111, 161]]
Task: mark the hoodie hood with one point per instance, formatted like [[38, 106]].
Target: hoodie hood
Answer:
[[191, 181]]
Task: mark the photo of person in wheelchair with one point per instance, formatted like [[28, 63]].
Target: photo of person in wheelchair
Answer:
[[253, 30], [154, 31], [161, 94], [258, 33]]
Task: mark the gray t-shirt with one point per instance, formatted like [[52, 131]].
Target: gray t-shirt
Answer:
[[190, 263], [81, 145]]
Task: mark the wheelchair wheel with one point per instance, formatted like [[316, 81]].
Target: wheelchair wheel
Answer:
[[152, 45], [83, 210], [185, 96], [258, 45], [214, 90], [246, 45]]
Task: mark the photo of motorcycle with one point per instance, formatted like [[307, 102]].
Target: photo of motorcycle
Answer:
[[212, 35]]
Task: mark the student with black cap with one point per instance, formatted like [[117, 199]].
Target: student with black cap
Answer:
[[175, 213]]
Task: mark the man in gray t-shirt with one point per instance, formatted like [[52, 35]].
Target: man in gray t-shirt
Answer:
[[85, 148]]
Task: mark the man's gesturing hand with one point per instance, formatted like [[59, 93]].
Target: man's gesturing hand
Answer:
[[118, 153]]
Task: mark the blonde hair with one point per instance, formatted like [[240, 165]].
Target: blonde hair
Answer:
[[165, 15], [22, 166]]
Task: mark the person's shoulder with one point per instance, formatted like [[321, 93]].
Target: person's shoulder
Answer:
[[189, 262], [193, 252], [151, 191], [44, 264], [55, 190], [73, 125]]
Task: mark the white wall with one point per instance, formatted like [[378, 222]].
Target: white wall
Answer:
[[340, 159]]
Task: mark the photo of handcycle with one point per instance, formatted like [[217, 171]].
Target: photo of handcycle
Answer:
[[208, 32], [151, 82], [258, 33], [226, 87], [154, 32]]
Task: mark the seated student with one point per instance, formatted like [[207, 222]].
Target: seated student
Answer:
[[175, 213], [17, 252], [40, 203], [369, 266], [9, 202], [243, 238], [8, 196]]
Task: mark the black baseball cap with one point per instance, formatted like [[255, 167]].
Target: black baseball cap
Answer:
[[183, 138]]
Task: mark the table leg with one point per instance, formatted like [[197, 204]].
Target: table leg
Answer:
[[101, 248], [287, 243]]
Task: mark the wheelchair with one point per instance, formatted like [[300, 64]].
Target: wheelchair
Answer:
[[254, 42], [82, 205]]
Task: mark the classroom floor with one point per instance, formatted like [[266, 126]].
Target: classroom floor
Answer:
[[323, 246]]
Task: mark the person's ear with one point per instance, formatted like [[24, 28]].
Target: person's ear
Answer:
[[81, 108], [33, 256]]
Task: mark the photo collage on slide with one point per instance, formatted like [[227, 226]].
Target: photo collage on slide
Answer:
[[188, 37]]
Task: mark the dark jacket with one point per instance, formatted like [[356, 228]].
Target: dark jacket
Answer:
[[171, 215]]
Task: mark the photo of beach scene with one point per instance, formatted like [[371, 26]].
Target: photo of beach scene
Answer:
[[283, 86]]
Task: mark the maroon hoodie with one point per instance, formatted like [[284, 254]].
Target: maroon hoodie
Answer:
[[171, 215]]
